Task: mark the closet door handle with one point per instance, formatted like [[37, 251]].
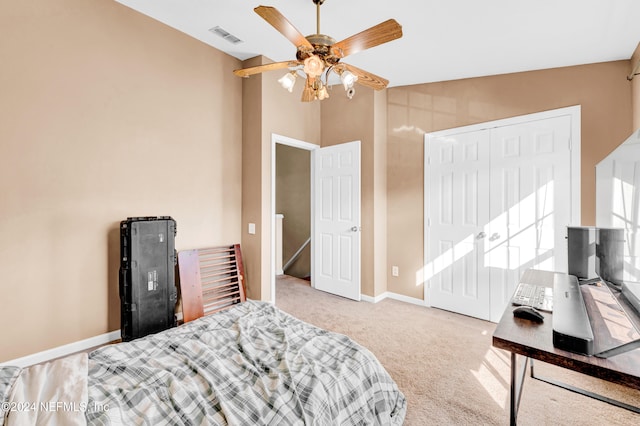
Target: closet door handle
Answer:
[[480, 235]]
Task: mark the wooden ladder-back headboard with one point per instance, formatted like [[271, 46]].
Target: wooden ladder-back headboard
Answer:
[[211, 279]]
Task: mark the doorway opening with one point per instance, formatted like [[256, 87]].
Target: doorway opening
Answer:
[[293, 211], [291, 186], [334, 182]]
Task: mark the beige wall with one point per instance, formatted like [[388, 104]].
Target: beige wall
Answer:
[[363, 118], [602, 90], [635, 87], [391, 126], [293, 200], [108, 114], [268, 109], [105, 114]]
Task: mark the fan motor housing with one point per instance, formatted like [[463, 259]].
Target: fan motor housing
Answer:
[[321, 46]]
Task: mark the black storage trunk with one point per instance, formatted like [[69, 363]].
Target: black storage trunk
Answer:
[[147, 275]]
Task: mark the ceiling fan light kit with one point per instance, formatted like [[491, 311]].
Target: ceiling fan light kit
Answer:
[[318, 55], [288, 80]]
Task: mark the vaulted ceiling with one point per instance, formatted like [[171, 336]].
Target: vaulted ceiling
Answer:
[[443, 40]]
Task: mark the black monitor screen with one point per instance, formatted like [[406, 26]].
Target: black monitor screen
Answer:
[[610, 254], [581, 245]]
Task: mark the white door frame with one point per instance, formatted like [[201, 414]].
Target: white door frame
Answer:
[[574, 208], [285, 140]]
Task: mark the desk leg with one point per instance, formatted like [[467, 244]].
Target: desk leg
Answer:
[[584, 392], [517, 382]]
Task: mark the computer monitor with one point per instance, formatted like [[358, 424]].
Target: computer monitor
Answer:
[[610, 255], [581, 245]]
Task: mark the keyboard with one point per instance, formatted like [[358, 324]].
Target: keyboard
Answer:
[[537, 296]]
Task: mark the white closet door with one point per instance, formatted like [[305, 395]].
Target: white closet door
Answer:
[[529, 203], [498, 200], [458, 211]]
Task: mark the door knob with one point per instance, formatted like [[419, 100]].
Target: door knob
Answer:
[[355, 228], [480, 235], [494, 236]]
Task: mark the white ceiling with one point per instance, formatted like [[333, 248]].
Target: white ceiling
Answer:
[[443, 39]]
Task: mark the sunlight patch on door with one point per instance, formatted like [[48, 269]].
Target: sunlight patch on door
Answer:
[[447, 258], [517, 238]]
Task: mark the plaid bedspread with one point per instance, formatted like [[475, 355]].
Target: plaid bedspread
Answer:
[[250, 365], [8, 376]]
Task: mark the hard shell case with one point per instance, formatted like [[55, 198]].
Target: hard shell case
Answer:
[[147, 275]]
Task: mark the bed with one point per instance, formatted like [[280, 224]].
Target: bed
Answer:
[[251, 364]]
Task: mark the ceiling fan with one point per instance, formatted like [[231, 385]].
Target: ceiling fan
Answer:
[[318, 54]]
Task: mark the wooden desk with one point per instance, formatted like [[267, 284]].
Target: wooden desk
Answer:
[[535, 342]]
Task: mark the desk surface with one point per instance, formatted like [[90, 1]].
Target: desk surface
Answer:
[[535, 341]]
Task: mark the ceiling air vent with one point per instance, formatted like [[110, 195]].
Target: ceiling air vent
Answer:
[[225, 35]]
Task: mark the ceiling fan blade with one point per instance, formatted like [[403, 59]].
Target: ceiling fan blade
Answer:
[[246, 72], [374, 36], [366, 78], [280, 23]]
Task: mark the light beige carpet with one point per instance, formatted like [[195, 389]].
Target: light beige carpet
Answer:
[[446, 367]]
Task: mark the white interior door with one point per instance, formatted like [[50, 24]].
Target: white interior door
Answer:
[[458, 211], [492, 215], [336, 221]]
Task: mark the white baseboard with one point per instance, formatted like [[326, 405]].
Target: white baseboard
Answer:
[[406, 299], [64, 350], [395, 296], [370, 299], [105, 338]]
